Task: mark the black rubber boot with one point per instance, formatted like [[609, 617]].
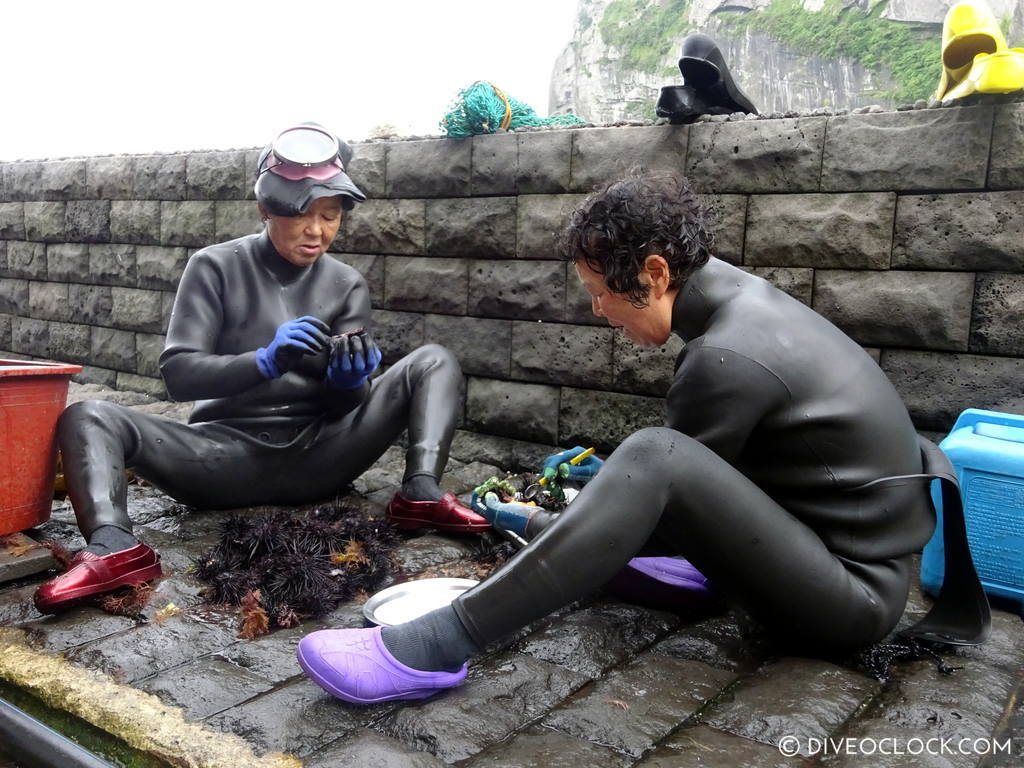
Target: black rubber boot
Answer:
[[704, 69], [681, 104]]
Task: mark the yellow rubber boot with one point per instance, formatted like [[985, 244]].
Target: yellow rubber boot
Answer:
[[1000, 72], [969, 29]]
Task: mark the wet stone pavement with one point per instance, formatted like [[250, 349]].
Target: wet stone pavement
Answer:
[[602, 683]]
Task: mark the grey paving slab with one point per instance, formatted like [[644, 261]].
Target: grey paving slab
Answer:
[[717, 641], [540, 747], [191, 524], [206, 686], [298, 718], [1010, 728], [376, 478], [62, 532], [21, 556], [476, 472], [1004, 648], [413, 555], [151, 648], [923, 702], [176, 554], [636, 706], [16, 605], [599, 637], [699, 746], [271, 657], [451, 483], [500, 696], [792, 697], [147, 504], [185, 591], [368, 749], [76, 627]]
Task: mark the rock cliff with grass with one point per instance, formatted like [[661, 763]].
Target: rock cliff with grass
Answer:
[[788, 55]]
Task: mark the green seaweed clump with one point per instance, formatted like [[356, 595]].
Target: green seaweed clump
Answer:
[[503, 488]]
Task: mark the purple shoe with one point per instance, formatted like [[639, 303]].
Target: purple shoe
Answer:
[[666, 583], [354, 665]]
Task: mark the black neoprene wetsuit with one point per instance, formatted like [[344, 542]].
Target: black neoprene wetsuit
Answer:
[[251, 440], [770, 477]]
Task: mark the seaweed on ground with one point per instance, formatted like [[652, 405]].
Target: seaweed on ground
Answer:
[[879, 659], [128, 601], [490, 552], [287, 566], [60, 553]]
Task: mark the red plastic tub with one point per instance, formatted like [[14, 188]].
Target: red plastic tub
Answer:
[[32, 396]]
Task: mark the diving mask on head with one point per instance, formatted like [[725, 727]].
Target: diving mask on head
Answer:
[[303, 163]]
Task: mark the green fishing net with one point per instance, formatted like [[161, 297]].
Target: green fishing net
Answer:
[[484, 108]]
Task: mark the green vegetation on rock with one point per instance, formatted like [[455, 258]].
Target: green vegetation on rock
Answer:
[[910, 56], [641, 110], [645, 31]]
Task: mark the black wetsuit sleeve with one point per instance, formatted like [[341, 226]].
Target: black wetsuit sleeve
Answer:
[[718, 397], [356, 312], [189, 364]]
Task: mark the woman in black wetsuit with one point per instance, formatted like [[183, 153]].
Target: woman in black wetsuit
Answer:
[[789, 472], [269, 338]]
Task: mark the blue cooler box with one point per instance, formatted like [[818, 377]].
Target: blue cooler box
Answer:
[[986, 449]]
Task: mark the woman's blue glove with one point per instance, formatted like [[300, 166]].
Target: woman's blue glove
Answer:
[[581, 473], [354, 357], [506, 515], [302, 336]]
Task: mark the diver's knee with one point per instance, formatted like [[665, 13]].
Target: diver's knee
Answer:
[[89, 416], [653, 446], [436, 356], [87, 412]]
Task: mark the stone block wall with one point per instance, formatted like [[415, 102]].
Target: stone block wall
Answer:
[[906, 229]]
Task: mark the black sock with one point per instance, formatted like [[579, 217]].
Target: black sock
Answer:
[[108, 539], [422, 488], [434, 642]]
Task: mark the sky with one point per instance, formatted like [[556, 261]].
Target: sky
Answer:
[[94, 77]]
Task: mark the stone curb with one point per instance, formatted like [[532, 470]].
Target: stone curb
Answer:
[[139, 719]]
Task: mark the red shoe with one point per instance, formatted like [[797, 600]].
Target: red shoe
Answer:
[[89, 574], [444, 515]]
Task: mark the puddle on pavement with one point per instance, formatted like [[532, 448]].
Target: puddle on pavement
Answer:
[[101, 743]]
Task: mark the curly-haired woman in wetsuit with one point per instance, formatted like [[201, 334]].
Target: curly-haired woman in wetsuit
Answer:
[[788, 473]]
